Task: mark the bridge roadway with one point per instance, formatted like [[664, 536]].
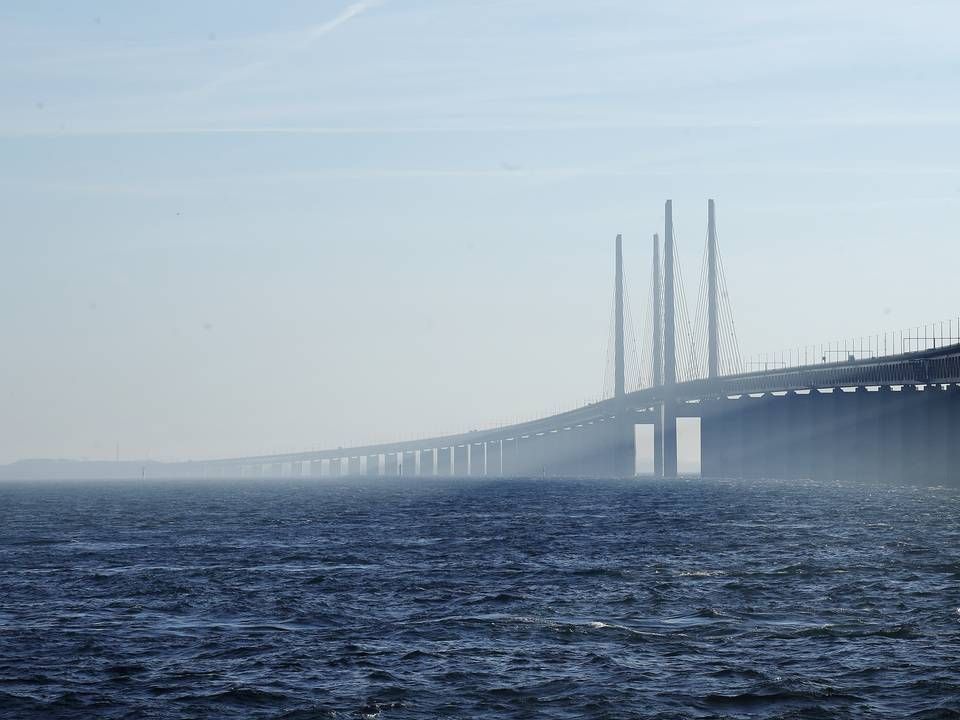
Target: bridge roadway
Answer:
[[446, 455]]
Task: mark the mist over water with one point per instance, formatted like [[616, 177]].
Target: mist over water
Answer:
[[514, 598]]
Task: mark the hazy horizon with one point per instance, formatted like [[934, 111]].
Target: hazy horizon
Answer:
[[237, 230]]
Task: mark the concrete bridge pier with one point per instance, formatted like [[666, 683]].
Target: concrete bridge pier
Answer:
[[748, 437], [915, 470], [495, 458], [711, 438], [408, 464], [373, 466], [870, 418], [391, 466], [888, 454], [427, 462], [668, 420], [508, 457], [779, 433], [460, 461], [353, 467], [478, 460], [445, 462], [623, 445], [952, 401]]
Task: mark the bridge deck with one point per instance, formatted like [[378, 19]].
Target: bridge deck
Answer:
[[939, 366]]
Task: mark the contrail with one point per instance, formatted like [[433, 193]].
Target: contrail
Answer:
[[306, 39]]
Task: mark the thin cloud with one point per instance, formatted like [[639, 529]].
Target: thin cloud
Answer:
[[289, 45]]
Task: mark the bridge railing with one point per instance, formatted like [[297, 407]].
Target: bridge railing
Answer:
[[919, 338]]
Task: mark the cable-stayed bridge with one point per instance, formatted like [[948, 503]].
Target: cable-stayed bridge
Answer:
[[881, 407]]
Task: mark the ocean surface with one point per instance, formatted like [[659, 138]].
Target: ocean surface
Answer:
[[478, 599]]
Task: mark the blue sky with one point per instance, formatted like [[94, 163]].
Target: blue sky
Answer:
[[250, 227]]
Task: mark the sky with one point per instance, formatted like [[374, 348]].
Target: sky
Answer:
[[233, 228]]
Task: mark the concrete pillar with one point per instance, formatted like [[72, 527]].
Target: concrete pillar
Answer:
[[276, 470], [391, 466], [534, 455], [373, 466], [574, 440], [409, 466], [569, 442], [780, 435], [887, 402], [508, 458], [445, 462], [869, 406], [623, 445], [353, 467], [316, 468], [658, 444], [495, 458], [900, 420], [803, 416], [711, 441], [836, 425], [335, 465], [916, 445], [548, 453], [821, 448], [461, 467], [478, 461], [669, 430], [730, 438], [745, 461], [427, 463], [952, 402]]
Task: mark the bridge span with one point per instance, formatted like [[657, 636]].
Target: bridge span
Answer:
[[887, 417]]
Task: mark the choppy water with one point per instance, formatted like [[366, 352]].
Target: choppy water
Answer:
[[525, 599]]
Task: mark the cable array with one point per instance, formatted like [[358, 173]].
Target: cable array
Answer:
[[729, 360]]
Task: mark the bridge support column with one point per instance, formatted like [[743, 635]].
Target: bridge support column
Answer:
[[938, 419], [803, 461], [563, 453], [752, 444], [889, 435], [478, 460], [445, 462], [586, 450], [658, 444], [373, 465], [334, 465], [427, 461], [900, 420], [525, 460], [508, 458], [669, 420], [353, 467], [711, 439], [495, 458], [952, 423], [391, 465], [460, 462], [623, 445], [780, 445], [916, 471], [870, 408], [408, 463]]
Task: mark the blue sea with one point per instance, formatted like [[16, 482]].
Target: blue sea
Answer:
[[478, 599]]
